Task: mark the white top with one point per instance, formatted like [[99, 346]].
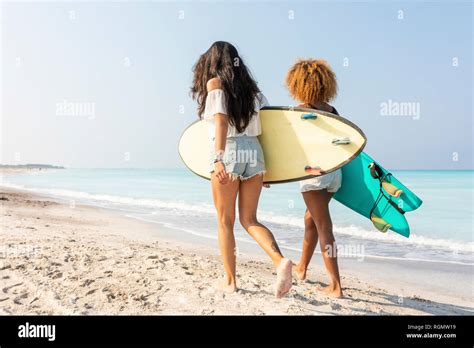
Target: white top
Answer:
[[215, 104]]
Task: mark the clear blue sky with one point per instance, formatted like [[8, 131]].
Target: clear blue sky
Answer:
[[50, 54]]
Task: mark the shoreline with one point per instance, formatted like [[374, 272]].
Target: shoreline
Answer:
[[91, 260], [293, 249], [394, 241]]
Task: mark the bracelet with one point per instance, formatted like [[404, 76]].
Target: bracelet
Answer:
[[219, 156]]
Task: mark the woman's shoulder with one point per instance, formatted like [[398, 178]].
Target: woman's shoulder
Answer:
[[329, 108], [213, 84], [334, 111]]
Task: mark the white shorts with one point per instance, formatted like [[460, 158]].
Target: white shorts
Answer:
[[331, 182]]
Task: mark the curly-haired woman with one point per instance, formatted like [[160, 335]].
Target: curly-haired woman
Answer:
[[313, 84]]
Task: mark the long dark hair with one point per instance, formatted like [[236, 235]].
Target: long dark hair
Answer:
[[240, 89]]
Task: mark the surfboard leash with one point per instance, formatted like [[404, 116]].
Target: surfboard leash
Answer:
[[377, 173]]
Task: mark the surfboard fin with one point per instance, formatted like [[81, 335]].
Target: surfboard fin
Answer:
[[309, 116], [341, 141], [377, 173], [380, 223], [392, 190]]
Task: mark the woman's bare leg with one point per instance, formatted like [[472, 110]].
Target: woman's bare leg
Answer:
[[309, 245], [224, 200], [249, 194], [248, 202], [318, 205]]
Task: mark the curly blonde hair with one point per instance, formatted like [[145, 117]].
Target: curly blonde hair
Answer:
[[311, 81]]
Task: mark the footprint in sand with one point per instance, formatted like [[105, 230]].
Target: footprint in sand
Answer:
[[55, 274], [34, 300], [5, 266], [207, 311], [7, 288], [17, 300], [87, 282], [255, 283], [110, 297], [90, 292]]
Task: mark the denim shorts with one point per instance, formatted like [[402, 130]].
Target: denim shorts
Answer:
[[331, 182], [243, 157]]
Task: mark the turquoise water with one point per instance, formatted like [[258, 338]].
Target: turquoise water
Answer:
[[442, 228]]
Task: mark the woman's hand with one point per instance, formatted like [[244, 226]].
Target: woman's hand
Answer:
[[220, 172]]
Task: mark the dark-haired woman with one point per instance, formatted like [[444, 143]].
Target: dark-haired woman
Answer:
[[229, 100]]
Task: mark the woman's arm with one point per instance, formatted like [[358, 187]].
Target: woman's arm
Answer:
[[222, 124]]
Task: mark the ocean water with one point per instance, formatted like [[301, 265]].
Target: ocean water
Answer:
[[441, 229]]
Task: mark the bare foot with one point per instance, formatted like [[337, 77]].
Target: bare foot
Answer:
[[299, 271], [284, 281], [225, 286], [333, 291]]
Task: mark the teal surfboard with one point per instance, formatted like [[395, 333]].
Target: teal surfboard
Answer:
[[363, 193]]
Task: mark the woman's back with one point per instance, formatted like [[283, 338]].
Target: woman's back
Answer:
[[216, 103]]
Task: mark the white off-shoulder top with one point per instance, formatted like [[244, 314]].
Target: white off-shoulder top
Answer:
[[216, 104]]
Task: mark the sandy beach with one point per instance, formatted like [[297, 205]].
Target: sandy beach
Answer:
[[57, 258]]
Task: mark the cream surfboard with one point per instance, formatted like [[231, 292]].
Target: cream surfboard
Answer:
[[298, 143]]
